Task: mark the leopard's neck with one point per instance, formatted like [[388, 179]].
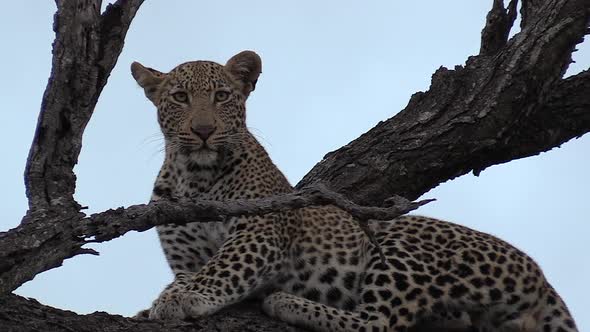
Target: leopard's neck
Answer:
[[227, 173]]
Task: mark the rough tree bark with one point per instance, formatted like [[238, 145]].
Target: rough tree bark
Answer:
[[508, 102]]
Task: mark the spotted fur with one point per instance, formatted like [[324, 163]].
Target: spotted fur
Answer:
[[319, 268]]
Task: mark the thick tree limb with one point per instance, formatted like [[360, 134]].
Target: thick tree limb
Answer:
[[563, 115], [474, 116], [18, 314], [508, 102]]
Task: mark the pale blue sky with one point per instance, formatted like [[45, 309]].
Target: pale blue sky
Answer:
[[331, 71]]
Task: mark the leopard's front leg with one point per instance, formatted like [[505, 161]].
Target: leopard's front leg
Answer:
[[251, 257]]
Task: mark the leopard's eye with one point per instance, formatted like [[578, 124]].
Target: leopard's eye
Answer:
[[180, 96], [221, 96]]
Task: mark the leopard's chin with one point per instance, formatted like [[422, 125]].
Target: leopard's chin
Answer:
[[205, 157]]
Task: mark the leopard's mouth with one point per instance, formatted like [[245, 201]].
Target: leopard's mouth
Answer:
[[204, 148]]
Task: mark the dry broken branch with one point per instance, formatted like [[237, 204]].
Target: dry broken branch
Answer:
[[111, 224], [499, 21]]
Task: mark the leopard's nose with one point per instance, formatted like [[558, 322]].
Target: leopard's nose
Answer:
[[204, 132]]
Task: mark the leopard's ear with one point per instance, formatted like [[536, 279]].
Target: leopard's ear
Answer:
[[245, 67], [149, 79]]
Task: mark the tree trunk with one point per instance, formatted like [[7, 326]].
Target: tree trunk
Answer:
[[508, 102]]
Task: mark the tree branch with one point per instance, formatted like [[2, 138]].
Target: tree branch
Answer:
[[32, 248], [85, 50], [111, 224], [472, 117], [499, 21], [18, 314]]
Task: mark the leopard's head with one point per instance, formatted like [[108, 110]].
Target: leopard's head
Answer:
[[201, 104]]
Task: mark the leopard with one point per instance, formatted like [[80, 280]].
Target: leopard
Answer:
[[315, 267]]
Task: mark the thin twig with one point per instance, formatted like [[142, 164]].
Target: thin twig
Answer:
[[111, 224]]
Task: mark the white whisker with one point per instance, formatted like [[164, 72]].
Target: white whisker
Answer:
[[258, 135]]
